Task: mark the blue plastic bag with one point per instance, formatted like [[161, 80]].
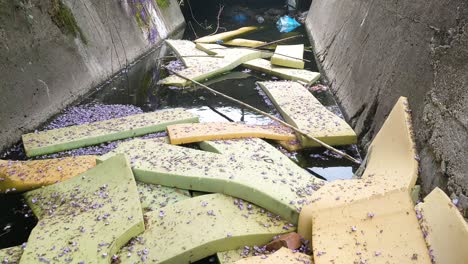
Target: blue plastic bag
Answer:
[[287, 24]]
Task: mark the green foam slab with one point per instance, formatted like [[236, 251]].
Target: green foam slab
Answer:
[[302, 75], [11, 255], [293, 59], [87, 218], [202, 68], [301, 109], [153, 197], [72, 137], [275, 187], [199, 227]]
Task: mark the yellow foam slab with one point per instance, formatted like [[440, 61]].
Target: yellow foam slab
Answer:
[[293, 59], [383, 229], [197, 132], [302, 75], [185, 51], [240, 42], [27, 175], [283, 255], [301, 109], [445, 228], [390, 167], [392, 157], [225, 35]]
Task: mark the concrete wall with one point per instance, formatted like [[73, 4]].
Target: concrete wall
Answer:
[[44, 67], [374, 51]]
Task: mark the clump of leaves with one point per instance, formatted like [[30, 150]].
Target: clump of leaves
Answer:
[[63, 17]]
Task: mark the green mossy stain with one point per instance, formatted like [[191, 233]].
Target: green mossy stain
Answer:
[[163, 3], [63, 17]]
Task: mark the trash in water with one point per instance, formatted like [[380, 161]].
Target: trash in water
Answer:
[[286, 24], [240, 18]]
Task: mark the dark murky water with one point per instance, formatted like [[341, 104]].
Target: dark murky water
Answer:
[[138, 86]]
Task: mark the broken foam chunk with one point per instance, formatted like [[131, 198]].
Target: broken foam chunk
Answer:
[[86, 219], [72, 137], [281, 256], [275, 187], [302, 75], [199, 227], [302, 110], [18, 176], [289, 56], [225, 35], [189, 133], [445, 229]]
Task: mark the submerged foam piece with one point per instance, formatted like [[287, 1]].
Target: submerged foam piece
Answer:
[[282, 256], [189, 133], [391, 165], [383, 229], [277, 188], [445, 228], [185, 51], [87, 218], [293, 59], [199, 227], [153, 197], [72, 137], [27, 175], [302, 110], [11, 255], [302, 75], [225, 35]]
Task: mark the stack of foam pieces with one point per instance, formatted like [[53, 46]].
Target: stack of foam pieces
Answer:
[[152, 201]]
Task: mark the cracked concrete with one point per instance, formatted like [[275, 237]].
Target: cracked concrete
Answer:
[[374, 51], [44, 69]]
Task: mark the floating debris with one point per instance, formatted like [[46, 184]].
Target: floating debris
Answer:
[[226, 35], [263, 65], [11, 255], [291, 52], [154, 197], [72, 137], [283, 255]]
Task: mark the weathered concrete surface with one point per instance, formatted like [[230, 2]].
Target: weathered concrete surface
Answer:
[[43, 68], [374, 51]]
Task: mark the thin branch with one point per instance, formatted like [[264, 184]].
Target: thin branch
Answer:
[[221, 8], [300, 131]]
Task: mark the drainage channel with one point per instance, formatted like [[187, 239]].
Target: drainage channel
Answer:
[[137, 89]]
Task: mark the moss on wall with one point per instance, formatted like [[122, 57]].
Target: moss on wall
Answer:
[[163, 3], [63, 17]]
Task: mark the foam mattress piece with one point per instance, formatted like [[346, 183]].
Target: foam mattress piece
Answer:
[[18, 176], [153, 197], [11, 255], [185, 51], [263, 65], [391, 165], [445, 229], [225, 35], [72, 137], [382, 229], [87, 218], [202, 68], [247, 43], [231, 256], [197, 132], [293, 59], [302, 110], [199, 227], [279, 189], [282, 256]]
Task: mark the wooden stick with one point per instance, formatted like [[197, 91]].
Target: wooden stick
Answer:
[[277, 41], [300, 131]]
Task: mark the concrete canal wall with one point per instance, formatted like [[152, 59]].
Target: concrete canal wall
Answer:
[[53, 51], [374, 51]]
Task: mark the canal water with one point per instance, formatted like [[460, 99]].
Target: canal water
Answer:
[[138, 86]]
